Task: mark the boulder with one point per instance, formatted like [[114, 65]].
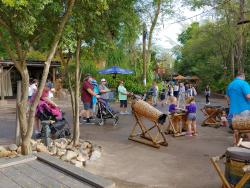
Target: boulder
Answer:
[[68, 156], [63, 140], [57, 144], [89, 146], [86, 163], [19, 155], [42, 148], [76, 163], [2, 148], [77, 152], [87, 150], [61, 152], [73, 149], [68, 147], [12, 147], [95, 155], [53, 150], [4, 153], [82, 159], [32, 142], [19, 149], [57, 140], [12, 156], [39, 140], [63, 145], [84, 145], [95, 148], [12, 153], [80, 140]]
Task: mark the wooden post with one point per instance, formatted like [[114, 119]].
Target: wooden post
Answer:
[[54, 76], [18, 99], [2, 84]]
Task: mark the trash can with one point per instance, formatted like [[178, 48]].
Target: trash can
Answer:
[[112, 96]]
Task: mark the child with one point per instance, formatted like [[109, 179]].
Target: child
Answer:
[[153, 93], [224, 118], [174, 104], [144, 96], [191, 111], [162, 97], [170, 92]]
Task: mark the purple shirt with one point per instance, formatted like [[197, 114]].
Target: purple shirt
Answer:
[[191, 108], [172, 107]]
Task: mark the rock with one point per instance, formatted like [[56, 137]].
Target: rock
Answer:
[[63, 140], [73, 149], [61, 152], [53, 150], [39, 140], [77, 152], [84, 145], [4, 153], [69, 140], [82, 159], [95, 148], [12, 153], [34, 152], [87, 150], [34, 148], [68, 147], [68, 156], [57, 140], [80, 140], [76, 163], [95, 155], [2, 148], [79, 155], [32, 142], [19, 149], [63, 145], [19, 155], [51, 153], [86, 163], [57, 144], [89, 146], [42, 148], [12, 156], [12, 147]]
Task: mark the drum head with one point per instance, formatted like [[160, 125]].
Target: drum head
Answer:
[[210, 106], [245, 144], [238, 153]]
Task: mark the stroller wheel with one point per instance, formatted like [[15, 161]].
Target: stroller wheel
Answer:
[[67, 133], [102, 122], [38, 135], [60, 135], [116, 121]]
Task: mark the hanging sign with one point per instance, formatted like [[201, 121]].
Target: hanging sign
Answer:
[[160, 70]]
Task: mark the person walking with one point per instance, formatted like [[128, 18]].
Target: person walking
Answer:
[[182, 93], [191, 91], [123, 97], [176, 88], [104, 91], [207, 93], [87, 98], [238, 93], [51, 92], [157, 92], [170, 92], [153, 93]]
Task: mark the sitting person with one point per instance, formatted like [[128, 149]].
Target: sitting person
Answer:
[[44, 97], [224, 118], [144, 96]]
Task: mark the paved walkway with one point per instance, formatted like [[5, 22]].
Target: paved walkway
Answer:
[[184, 163]]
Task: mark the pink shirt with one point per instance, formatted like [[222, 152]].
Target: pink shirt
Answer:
[[44, 94]]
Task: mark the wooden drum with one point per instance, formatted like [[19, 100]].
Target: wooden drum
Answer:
[[242, 123], [144, 109], [184, 125], [209, 110], [237, 158], [177, 116]]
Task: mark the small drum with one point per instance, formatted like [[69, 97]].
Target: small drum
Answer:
[[242, 123], [142, 108], [236, 159], [245, 144], [176, 120], [209, 110]]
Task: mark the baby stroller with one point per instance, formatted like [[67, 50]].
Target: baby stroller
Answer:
[[105, 112], [147, 94], [45, 111]]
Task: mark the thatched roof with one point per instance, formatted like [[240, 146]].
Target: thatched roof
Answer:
[[180, 77], [194, 78]]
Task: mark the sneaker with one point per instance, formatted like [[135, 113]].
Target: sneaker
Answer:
[[89, 122], [209, 103], [84, 119], [91, 118], [195, 134], [122, 113], [188, 134], [80, 122], [126, 113]]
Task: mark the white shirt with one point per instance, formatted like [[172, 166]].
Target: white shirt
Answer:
[[51, 94], [171, 92], [156, 88], [176, 88], [32, 89]]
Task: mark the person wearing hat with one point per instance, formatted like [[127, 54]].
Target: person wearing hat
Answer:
[[87, 99], [92, 110], [51, 92], [104, 91], [32, 90], [44, 97]]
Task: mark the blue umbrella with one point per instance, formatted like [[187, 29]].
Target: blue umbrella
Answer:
[[115, 70]]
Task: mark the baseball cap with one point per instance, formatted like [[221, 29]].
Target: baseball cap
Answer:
[[35, 81], [94, 82], [103, 80], [88, 75], [48, 84]]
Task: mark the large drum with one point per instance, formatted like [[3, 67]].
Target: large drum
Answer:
[[184, 125], [237, 158], [245, 144], [176, 119], [209, 110], [242, 123], [146, 110]]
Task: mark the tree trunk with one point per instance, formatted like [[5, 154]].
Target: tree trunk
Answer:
[[144, 56], [151, 32], [134, 59], [232, 61]]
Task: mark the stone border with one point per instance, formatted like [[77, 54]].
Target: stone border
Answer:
[[74, 171]]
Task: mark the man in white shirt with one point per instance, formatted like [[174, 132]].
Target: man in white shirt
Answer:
[[32, 90], [176, 89]]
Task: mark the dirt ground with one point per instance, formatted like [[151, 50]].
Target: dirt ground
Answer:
[[185, 162]]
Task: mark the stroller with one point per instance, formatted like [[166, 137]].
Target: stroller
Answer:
[[45, 111], [105, 112]]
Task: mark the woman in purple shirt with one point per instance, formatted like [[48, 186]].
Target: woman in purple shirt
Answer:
[[191, 111]]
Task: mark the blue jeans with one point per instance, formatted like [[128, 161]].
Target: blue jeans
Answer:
[[105, 100]]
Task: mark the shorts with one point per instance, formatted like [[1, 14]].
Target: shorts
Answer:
[[191, 117], [93, 108], [169, 93], [123, 103], [87, 105], [162, 97]]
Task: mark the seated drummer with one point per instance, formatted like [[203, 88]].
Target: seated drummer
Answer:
[[238, 93]]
